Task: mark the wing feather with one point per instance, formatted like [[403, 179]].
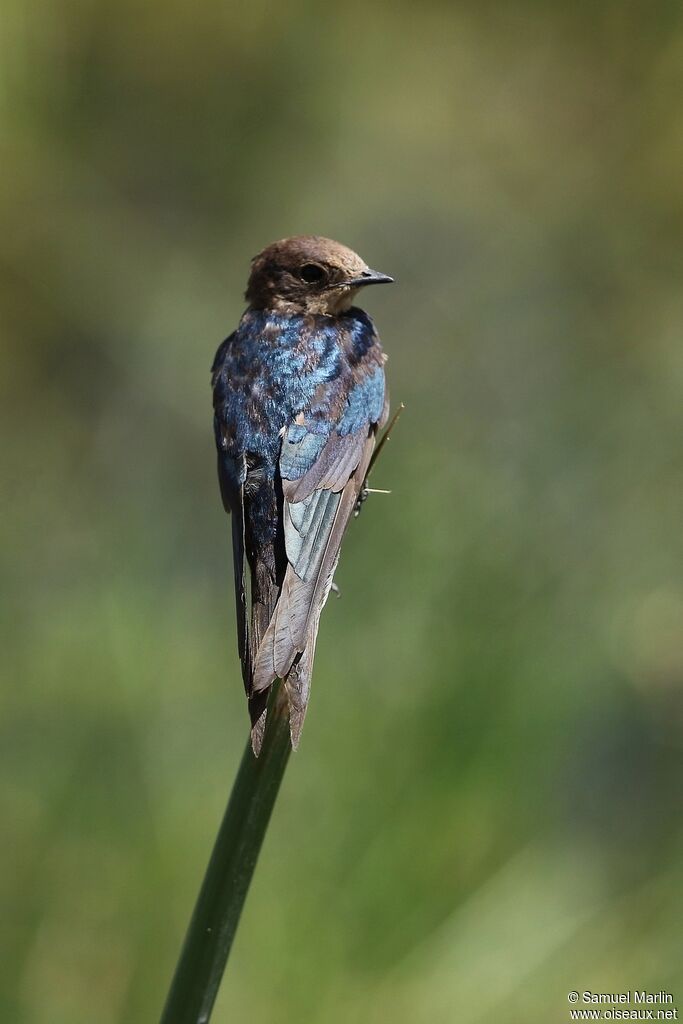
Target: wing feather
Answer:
[[298, 679], [230, 477], [307, 526], [302, 597], [335, 464]]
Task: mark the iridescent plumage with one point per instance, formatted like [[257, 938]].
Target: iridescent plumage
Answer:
[[299, 394]]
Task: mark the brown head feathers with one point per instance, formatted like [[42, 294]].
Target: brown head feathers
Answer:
[[308, 274]]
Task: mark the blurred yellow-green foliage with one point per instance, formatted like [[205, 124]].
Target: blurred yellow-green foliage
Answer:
[[485, 810]]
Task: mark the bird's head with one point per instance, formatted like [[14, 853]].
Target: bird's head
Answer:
[[308, 274]]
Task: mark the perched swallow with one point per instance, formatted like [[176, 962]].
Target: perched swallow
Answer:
[[299, 394]]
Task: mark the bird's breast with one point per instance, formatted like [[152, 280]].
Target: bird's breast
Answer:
[[279, 367]]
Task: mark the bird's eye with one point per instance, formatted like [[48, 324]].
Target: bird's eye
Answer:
[[311, 273]]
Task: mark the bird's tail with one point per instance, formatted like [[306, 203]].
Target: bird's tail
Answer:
[[297, 684], [264, 596]]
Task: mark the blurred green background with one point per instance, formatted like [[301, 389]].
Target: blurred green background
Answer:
[[485, 809]]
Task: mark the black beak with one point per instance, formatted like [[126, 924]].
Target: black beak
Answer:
[[370, 277]]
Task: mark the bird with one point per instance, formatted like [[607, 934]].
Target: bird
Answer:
[[299, 396]]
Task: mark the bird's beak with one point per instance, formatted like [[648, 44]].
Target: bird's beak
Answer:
[[370, 277]]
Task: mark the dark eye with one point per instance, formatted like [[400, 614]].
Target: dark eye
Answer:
[[311, 273]]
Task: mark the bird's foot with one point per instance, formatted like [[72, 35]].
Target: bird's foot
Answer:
[[362, 497]]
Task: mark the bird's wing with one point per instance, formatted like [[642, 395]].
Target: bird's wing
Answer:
[[232, 474], [323, 461]]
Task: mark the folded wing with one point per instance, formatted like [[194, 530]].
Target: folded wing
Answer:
[[323, 461]]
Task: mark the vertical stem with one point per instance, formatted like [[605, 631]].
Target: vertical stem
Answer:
[[226, 883]]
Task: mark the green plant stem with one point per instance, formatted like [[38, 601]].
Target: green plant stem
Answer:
[[226, 883]]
